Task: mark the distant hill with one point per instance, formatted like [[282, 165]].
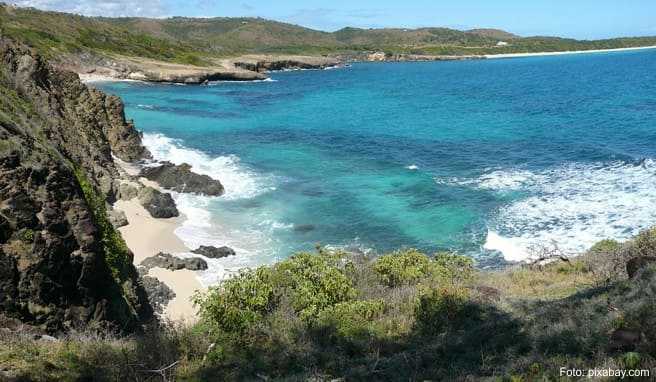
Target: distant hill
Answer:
[[201, 41], [496, 34]]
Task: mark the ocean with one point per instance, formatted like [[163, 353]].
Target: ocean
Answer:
[[489, 158]]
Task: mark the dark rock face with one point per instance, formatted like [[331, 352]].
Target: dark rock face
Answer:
[[213, 252], [159, 293], [158, 204], [637, 264], [84, 125], [170, 262], [182, 179], [55, 154], [625, 340]]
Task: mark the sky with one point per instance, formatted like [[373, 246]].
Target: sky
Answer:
[[583, 19]]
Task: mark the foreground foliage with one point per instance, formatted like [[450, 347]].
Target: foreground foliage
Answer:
[[401, 316]]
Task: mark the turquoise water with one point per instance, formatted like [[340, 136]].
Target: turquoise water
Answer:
[[488, 158]]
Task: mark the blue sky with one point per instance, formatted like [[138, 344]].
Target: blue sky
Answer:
[[570, 18]]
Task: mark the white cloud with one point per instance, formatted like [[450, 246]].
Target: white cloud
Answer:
[[109, 8]]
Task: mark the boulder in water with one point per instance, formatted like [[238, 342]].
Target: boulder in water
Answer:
[[180, 178], [170, 262], [214, 252], [159, 205]]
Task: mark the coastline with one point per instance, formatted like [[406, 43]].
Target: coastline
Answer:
[[540, 54], [146, 237], [89, 78]]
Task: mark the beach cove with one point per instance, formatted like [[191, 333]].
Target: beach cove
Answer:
[[487, 177]]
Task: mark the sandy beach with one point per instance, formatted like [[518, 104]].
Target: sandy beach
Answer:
[[518, 55], [147, 236]]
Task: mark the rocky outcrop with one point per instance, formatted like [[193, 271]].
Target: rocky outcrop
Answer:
[[117, 218], [170, 262], [128, 191], [635, 265], [160, 205], [214, 252], [62, 265], [133, 68], [263, 64], [181, 179], [159, 293]]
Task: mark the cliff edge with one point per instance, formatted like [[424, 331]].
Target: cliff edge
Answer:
[[62, 264]]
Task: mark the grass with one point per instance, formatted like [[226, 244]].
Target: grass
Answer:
[[446, 322], [117, 253], [200, 41]]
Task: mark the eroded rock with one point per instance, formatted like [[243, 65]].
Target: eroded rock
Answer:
[[159, 294], [214, 252], [180, 178], [637, 264], [118, 218], [159, 205], [170, 262]]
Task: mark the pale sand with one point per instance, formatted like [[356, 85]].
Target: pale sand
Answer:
[[517, 55], [184, 284], [147, 236], [93, 77]]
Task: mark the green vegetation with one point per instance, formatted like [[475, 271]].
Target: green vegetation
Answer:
[[117, 253], [56, 34], [401, 316], [201, 41]]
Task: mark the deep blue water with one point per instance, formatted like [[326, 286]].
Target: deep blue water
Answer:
[[496, 154]]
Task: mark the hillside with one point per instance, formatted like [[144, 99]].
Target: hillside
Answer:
[[69, 294], [63, 266], [120, 46]]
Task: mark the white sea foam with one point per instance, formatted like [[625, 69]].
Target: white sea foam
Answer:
[[203, 224], [239, 181], [573, 206], [412, 167], [214, 83]]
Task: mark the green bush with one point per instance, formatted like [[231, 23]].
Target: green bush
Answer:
[[631, 360], [402, 267], [452, 268], [239, 302], [644, 244], [438, 309], [409, 267], [352, 320], [313, 282], [309, 282], [26, 235], [117, 253], [605, 246]]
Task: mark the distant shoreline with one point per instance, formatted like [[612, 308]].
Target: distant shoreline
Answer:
[[538, 54]]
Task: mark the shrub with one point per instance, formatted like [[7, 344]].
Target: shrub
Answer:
[[309, 282], [117, 255], [644, 244], [631, 360], [452, 268], [313, 282], [239, 302], [352, 320], [26, 235], [403, 267], [438, 309], [605, 246]]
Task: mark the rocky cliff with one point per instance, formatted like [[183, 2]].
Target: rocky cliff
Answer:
[[62, 264]]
